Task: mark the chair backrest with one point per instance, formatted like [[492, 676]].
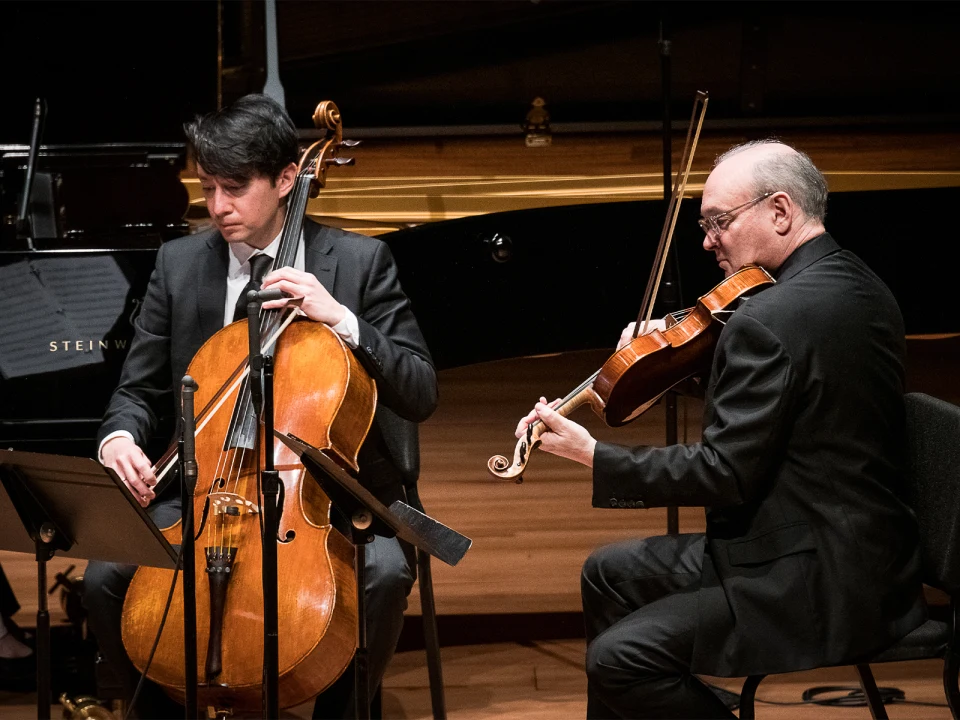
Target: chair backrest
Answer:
[[933, 486]]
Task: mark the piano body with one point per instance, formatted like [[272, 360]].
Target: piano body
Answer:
[[71, 287], [523, 246]]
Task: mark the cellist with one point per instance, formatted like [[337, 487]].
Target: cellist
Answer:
[[246, 161], [809, 557]]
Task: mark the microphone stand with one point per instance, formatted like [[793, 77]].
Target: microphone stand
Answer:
[[188, 488], [672, 300], [24, 229], [261, 391]]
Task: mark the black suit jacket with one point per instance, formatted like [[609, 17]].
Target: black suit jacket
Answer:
[[811, 556], [184, 306]]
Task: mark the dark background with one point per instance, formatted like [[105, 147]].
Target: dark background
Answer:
[[110, 71], [135, 71]]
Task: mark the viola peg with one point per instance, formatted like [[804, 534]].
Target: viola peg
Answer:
[[350, 143], [339, 161]]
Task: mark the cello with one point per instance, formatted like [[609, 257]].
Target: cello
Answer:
[[638, 374], [321, 394]]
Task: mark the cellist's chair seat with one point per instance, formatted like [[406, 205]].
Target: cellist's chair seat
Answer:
[[933, 491]]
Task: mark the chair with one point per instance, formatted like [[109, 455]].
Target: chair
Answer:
[[428, 612], [933, 491]]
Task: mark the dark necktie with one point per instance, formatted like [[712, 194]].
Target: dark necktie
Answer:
[[259, 264]]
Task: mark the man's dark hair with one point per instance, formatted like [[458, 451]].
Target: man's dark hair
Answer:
[[252, 137]]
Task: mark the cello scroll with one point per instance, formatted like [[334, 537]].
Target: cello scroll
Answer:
[[324, 153]]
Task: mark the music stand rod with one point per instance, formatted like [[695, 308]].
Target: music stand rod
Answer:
[[47, 539], [44, 553], [671, 291], [271, 493], [188, 478], [361, 522], [261, 392], [74, 506]]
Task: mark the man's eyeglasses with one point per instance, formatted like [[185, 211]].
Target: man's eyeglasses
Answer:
[[721, 221]]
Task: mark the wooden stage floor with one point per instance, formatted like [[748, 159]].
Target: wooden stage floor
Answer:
[[545, 681]]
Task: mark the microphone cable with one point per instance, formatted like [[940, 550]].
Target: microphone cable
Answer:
[[156, 642]]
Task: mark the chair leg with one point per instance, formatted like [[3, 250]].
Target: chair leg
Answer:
[[951, 682], [871, 692], [431, 639], [748, 695]]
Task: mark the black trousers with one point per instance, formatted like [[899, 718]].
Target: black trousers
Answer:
[[640, 608]]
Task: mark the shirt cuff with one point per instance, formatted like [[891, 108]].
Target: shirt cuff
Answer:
[[348, 329], [111, 436]]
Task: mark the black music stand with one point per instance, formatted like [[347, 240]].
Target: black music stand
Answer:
[[81, 509], [369, 517]]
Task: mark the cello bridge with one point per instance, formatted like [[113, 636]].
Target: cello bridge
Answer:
[[224, 503]]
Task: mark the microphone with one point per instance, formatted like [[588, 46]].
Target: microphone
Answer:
[[262, 296], [188, 425], [255, 298], [256, 358]]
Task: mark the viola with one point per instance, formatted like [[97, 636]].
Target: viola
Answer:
[[639, 373]]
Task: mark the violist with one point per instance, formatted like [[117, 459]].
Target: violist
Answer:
[[809, 557]]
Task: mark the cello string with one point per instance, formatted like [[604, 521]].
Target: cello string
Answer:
[[231, 460], [268, 321], [236, 481]]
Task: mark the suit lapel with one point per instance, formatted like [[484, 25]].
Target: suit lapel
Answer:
[[212, 285], [317, 258]]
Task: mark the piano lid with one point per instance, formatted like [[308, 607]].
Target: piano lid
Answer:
[[92, 196], [553, 280]]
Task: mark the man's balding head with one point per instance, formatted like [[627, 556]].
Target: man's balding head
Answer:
[[760, 203], [773, 166]]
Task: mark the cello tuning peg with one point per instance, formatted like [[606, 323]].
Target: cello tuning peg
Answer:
[[339, 161], [350, 143]]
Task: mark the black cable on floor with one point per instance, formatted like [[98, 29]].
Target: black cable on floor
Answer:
[[853, 697]]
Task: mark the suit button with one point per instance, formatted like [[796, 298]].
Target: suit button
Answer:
[[623, 503], [640, 504], [613, 502], [631, 504]]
